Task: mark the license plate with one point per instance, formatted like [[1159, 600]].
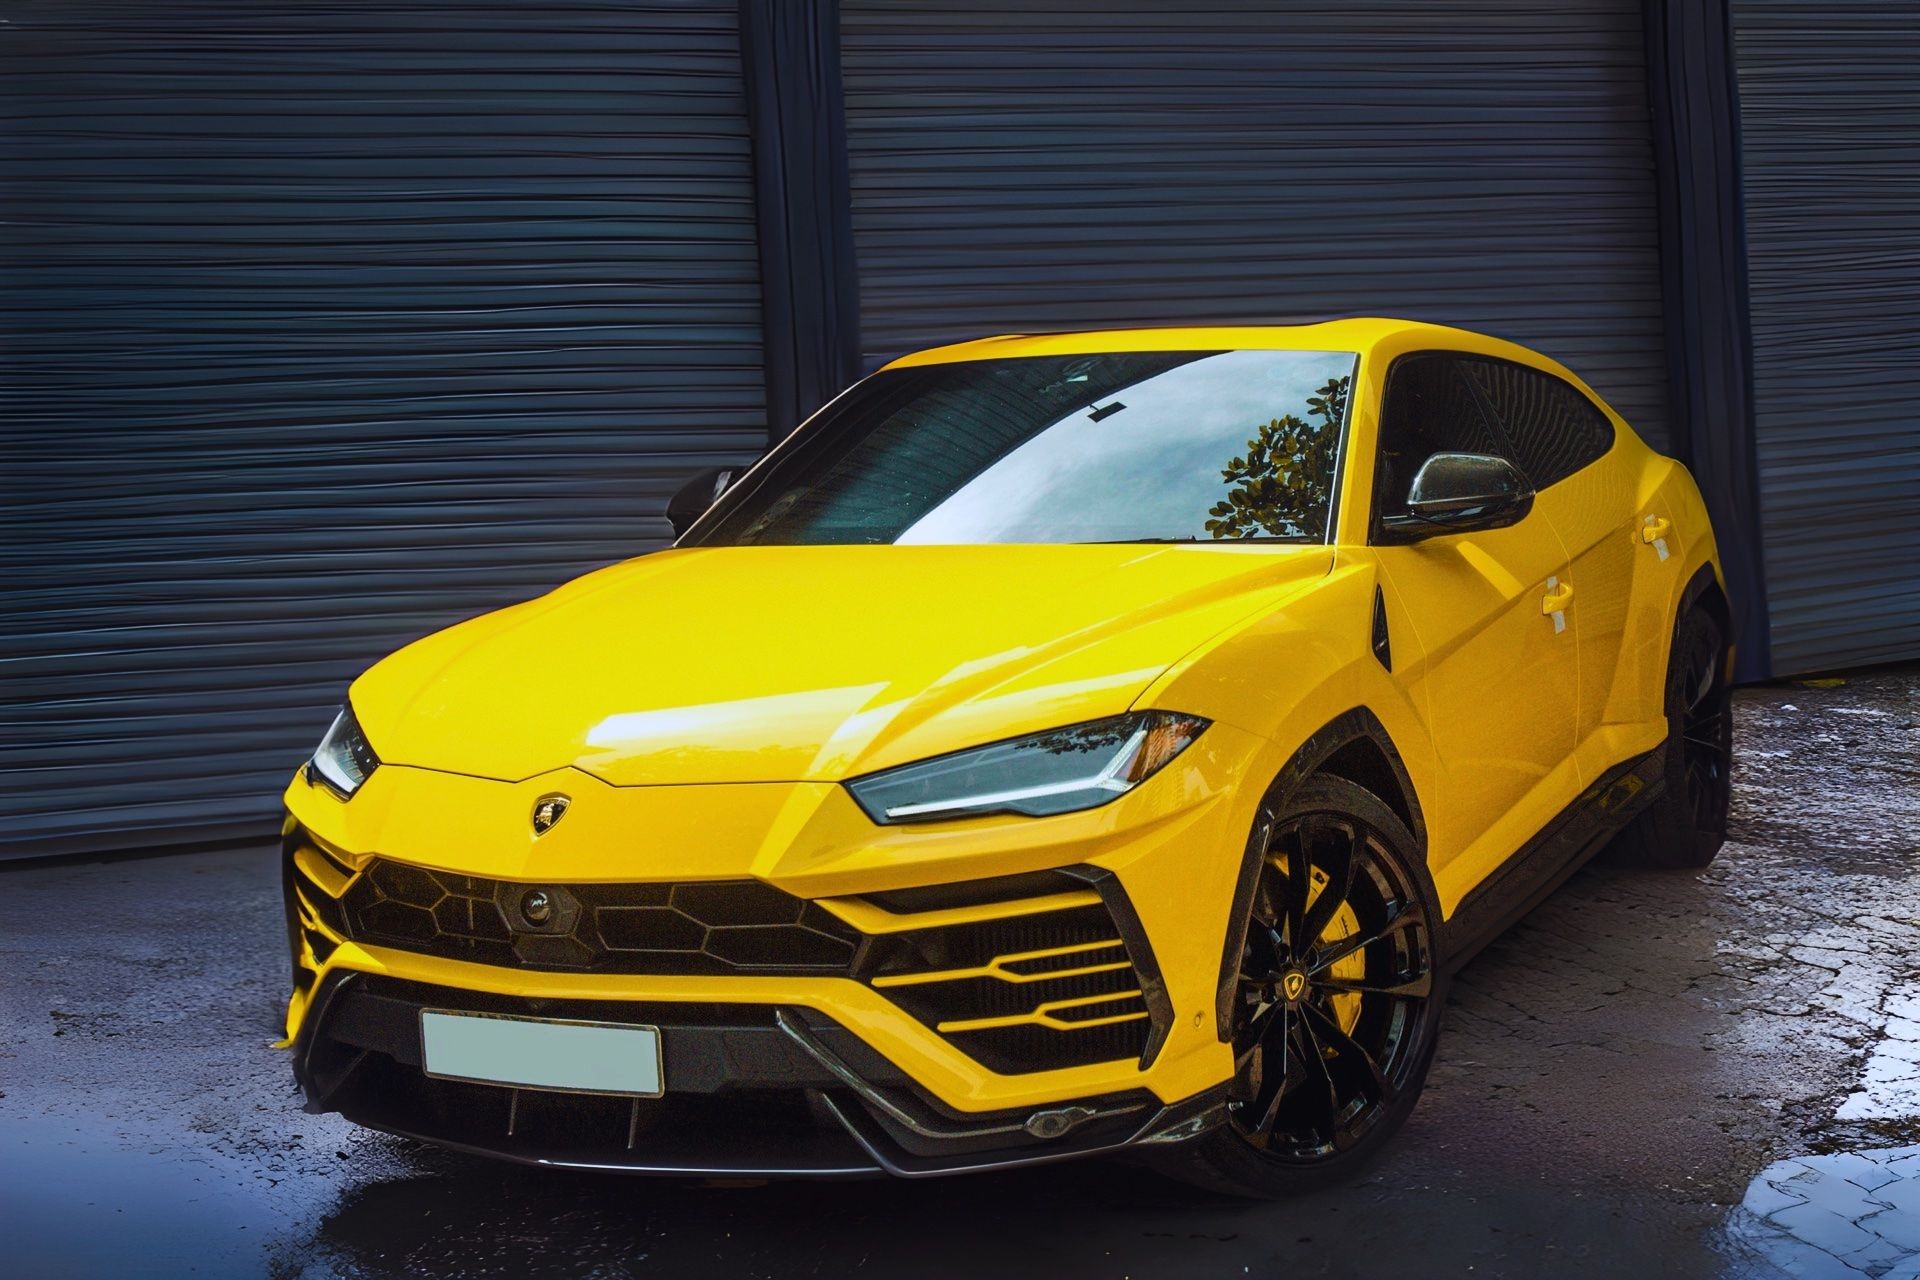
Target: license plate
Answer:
[[542, 1053]]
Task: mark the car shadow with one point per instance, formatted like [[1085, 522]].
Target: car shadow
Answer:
[[456, 1215], [448, 1215]]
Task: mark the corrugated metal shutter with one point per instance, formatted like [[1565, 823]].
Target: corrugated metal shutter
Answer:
[[328, 324], [1029, 165], [1830, 123]]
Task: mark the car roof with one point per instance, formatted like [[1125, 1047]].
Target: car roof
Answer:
[[1360, 333]]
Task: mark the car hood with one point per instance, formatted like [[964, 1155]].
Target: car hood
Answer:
[[784, 664]]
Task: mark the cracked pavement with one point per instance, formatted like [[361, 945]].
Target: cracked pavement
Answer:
[[1655, 1074]]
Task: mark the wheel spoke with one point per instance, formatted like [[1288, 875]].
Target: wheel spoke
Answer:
[[1339, 867], [1314, 1050], [1264, 949], [1411, 986], [1271, 1111], [1270, 1059], [1299, 883], [1264, 952], [1348, 1051], [1256, 1029], [1701, 683], [1407, 917], [1251, 1115]]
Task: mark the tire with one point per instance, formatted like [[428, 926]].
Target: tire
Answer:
[[1356, 1036], [1687, 824]]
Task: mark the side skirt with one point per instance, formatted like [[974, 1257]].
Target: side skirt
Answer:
[[1561, 848]]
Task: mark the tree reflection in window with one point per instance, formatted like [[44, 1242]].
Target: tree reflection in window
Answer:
[[1283, 484]]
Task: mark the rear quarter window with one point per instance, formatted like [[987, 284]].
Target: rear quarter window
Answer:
[[1555, 430]]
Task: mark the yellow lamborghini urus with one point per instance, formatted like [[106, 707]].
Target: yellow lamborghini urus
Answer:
[[1059, 745]]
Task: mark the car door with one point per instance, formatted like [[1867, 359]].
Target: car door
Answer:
[[1499, 670], [1561, 440]]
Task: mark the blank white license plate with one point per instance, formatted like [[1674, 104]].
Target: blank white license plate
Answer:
[[542, 1053]]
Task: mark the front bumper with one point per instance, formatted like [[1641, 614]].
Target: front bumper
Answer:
[[757, 1091], [834, 1000]]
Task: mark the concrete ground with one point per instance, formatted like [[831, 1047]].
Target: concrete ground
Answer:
[[1617, 1075]]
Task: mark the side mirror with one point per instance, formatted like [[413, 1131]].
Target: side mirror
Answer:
[[1456, 492], [701, 491]]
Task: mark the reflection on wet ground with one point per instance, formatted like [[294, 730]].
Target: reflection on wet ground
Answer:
[[1851, 1214], [1614, 1075]]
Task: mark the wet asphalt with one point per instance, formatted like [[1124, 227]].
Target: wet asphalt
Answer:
[[1616, 1075]]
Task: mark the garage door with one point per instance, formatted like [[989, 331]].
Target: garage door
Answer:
[[327, 325], [1026, 165], [1830, 122]]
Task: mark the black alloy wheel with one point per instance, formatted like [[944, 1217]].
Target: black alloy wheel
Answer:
[[1338, 998], [1335, 988], [1686, 824], [1706, 734]]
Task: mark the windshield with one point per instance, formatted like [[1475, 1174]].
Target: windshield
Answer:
[[1130, 446]]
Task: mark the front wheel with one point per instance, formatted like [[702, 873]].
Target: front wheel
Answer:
[[1337, 1001]]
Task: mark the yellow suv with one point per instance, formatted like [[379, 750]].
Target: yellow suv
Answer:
[[1058, 745]]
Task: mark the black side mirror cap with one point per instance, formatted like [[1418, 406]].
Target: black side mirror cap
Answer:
[[1457, 492], [699, 493]]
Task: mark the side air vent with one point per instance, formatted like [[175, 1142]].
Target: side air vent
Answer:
[[311, 881], [1382, 643], [1034, 992]]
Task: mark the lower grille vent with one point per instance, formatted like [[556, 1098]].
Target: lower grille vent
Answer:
[[1033, 992]]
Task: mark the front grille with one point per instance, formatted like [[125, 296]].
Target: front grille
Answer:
[[1061, 978], [726, 926]]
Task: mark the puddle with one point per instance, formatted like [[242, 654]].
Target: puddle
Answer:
[[75, 1205], [1845, 1216]]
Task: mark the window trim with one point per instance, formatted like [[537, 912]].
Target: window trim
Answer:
[[1342, 448]]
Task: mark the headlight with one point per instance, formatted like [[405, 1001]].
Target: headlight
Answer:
[[1078, 767], [344, 759]]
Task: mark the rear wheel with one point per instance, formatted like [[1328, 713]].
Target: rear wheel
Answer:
[[1686, 826], [1337, 1000]]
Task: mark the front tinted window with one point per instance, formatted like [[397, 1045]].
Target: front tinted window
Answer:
[[1107, 447], [1429, 408], [1555, 430]]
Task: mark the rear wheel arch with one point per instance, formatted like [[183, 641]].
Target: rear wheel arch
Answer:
[[1703, 591], [1356, 747], [1686, 823]]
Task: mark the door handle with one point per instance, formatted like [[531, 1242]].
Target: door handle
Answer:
[[1654, 533], [1559, 596]]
